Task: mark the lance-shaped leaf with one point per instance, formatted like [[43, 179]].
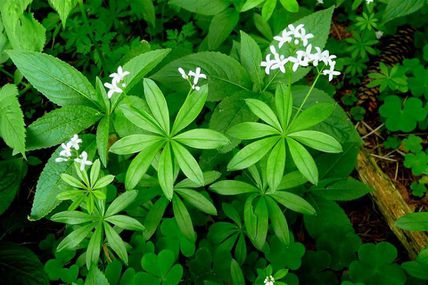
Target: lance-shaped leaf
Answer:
[[115, 242], [264, 112], [183, 219], [275, 165], [157, 103], [75, 237], [251, 130], [284, 104], [197, 200], [94, 246], [166, 172], [293, 202], [303, 161], [232, 187], [121, 202], [278, 221], [141, 119], [102, 136], [134, 143], [187, 163], [202, 139], [317, 140], [312, 116]]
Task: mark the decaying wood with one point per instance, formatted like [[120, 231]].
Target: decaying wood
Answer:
[[390, 202]]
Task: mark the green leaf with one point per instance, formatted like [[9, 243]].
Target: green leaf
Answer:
[[317, 140], [293, 202], [60, 125], [94, 247], [116, 243], [232, 187], [397, 8], [312, 116], [141, 65], [209, 177], [157, 103], [197, 200], [183, 219], [187, 163], [278, 221], [275, 165], [251, 130], [103, 182], [154, 216], [140, 164], [61, 83], [135, 143], [95, 172], [50, 183], [190, 109], [303, 161], [75, 237], [12, 125], [251, 57], [252, 153], [250, 4], [203, 7], [262, 217], [125, 222], [145, 9], [345, 189], [141, 119], [222, 24], [267, 11], [63, 8], [23, 30], [413, 222], [284, 104], [19, 265], [290, 5], [72, 217], [166, 172], [250, 219], [264, 112], [291, 180], [121, 202], [202, 139], [102, 137], [236, 273], [96, 277], [11, 172]]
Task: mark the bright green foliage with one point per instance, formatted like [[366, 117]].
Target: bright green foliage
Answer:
[[375, 265], [402, 115], [417, 162], [160, 269], [392, 142], [412, 143], [361, 45], [63, 7], [418, 84], [418, 189], [419, 267], [413, 222], [366, 21], [393, 78]]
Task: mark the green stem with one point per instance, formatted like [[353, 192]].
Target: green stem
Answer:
[[308, 94], [269, 83]]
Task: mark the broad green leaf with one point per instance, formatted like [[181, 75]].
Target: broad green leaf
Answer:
[[19, 265], [72, 217], [293, 202], [267, 11], [187, 163], [154, 217], [202, 139], [278, 221], [250, 4], [224, 74], [23, 30], [121, 202], [317, 140], [75, 237], [103, 131], [60, 125], [251, 130], [197, 200], [303, 161], [261, 22], [96, 277], [125, 222], [63, 8], [135, 143], [291, 180], [182, 217], [345, 189], [264, 112], [140, 164], [12, 125], [157, 103], [413, 222], [398, 8], [11, 174], [190, 109], [275, 165], [203, 7], [139, 66], [144, 9], [115, 242], [222, 24], [166, 172], [50, 183], [290, 5], [232, 187], [94, 247], [262, 214], [141, 119], [250, 219], [252, 153], [236, 273], [312, 116], [284, 104], [251, 57], [61, 83]]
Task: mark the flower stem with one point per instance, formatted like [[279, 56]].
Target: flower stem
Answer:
[[307, 95], [270, 81]]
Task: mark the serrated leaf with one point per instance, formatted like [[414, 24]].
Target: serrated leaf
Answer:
[[222, 24], [203, 7], [63, 8]]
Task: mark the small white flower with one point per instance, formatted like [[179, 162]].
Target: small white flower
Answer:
[[279, 63], [379, 35], [331, 72], [195, 87], [66, 150], [75, 142], [284, 38], [60, 159], [369, 1], [112, 89], [83, 160], [269, 280], [268, 63], [119, 75], [183, 73], [197, 75], [320, 2], [316, 57], [304, 37], [295, 30]]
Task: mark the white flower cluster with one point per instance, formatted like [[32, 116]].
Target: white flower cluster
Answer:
[[303, 57], [66, 153], [117, 77], [195, 74], [269, 280]]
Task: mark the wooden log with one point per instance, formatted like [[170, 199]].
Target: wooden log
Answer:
[[390, 202]]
